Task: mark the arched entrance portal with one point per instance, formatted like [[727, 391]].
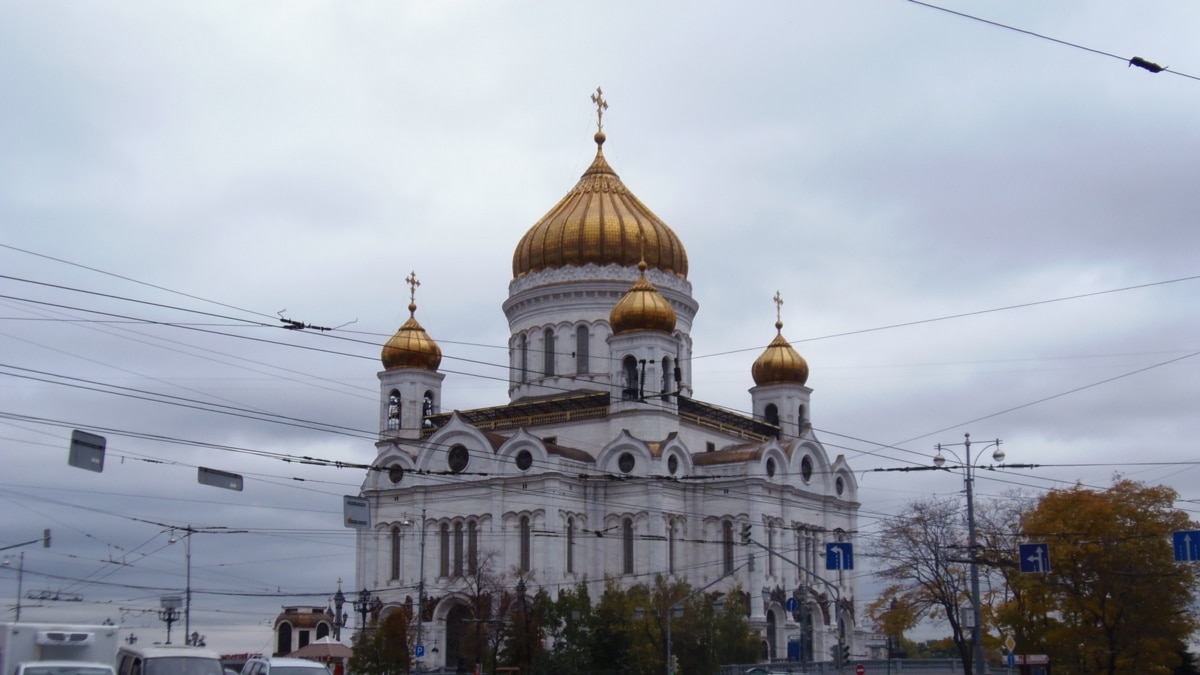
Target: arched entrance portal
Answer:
[[457, 622], [769, 643]]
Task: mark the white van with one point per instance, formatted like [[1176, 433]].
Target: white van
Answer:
[[168, 660]]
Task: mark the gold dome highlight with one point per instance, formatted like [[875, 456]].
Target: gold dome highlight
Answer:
[[411, 346], [642, 308], [779, 362], [599, 222]]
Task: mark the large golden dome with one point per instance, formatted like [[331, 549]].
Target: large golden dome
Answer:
[[642, 308], [779, 362], [411, 347], [599, 222]]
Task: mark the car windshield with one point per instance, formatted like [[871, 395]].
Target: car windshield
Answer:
[[314, 669], [66, 670], [183, 665]]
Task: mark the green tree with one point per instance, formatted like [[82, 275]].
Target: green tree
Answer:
[[567, 620], [1114, 601]]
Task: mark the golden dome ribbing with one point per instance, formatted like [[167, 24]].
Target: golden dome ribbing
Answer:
[[411, 347], [642, 308], [600, 222], [779, 362]]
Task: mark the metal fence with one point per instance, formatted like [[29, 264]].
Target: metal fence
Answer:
[[872, 667]]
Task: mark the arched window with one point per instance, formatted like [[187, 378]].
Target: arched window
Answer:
[[802, 416], [322, 630], [548, 352], [570, 545], [458, 549], [395, 553], [525, 537], [771, 414], [629, 369], [671, 546], [472, 547], [393, 410], [427, 409], [581, 350], [771, 545], [284, 638], [666, 374], [444, 549], [727, 546], [627, 548], [524, 362]]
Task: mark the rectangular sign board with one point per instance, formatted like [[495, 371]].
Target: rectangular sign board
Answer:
[[221, 479], [1187, 545], [1034, 557], [87, 451], [839, 556], [357, 512]]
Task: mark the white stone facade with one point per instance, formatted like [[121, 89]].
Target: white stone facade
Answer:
[[594, 471]]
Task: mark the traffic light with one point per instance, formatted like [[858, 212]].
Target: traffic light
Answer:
[[745, 533], [674, 664], [845, 649]]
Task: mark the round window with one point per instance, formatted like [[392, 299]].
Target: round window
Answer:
[[625, 462], [840, 485], [771, 467], [672, 464], [524, 460], [459, 458], [395, 473], [806, 468]]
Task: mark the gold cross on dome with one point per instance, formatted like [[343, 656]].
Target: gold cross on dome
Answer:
[[778, 306], [412, 282], [601, 106]]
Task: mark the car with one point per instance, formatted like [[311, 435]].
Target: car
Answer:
[[271, 665], [167, 660]]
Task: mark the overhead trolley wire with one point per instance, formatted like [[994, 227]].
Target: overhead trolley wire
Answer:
[[1133, 61]]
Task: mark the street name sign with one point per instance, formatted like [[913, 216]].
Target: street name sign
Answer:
[[87, 451], [356, 511]]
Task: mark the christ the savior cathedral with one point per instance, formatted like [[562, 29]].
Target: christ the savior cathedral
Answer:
[[601, 465]]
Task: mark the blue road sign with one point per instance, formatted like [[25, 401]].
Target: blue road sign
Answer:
[[791, 605], [420, 651], [1034, 557], [839, 556], [1187, 545]]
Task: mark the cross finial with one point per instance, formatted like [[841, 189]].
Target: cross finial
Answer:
[[412, 282], [778, 310], [601, 106]]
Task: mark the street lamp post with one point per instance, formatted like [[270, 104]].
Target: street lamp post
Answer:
[[421, 594], [187, 594], [968, 467], [339, 616], [364, 605]]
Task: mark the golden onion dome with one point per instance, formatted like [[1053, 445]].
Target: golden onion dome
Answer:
[[411, 347], [599, 222], [642, 308], [779, 362]]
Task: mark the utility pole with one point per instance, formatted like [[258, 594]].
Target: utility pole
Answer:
[[421, 595]]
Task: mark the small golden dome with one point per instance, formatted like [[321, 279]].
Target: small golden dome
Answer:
[[780, 362], [642, 308], [599, 222], [411, 347]]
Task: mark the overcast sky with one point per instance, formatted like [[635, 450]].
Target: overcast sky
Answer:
[[973, 230]]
